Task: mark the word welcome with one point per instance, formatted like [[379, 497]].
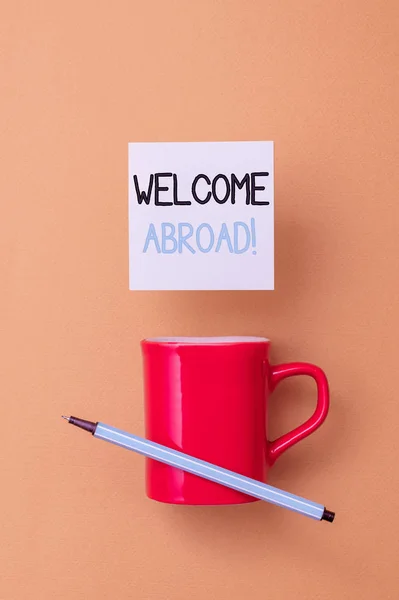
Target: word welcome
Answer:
[[221, 189], [183, 237]]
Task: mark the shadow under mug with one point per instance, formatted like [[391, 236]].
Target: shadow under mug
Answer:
[[208, 397]]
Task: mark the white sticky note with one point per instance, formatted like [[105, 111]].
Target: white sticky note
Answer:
[[201, 216]]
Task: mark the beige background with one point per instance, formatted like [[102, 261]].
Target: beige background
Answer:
[[81, 79]]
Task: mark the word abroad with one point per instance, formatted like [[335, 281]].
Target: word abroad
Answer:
[[169, 238], [163, 189]]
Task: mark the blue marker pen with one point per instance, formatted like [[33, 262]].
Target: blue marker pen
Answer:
[[243, 484]]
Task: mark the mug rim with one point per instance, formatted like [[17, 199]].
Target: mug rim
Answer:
[[206, 340]]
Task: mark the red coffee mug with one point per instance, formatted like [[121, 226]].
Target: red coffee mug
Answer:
[[208, 397]]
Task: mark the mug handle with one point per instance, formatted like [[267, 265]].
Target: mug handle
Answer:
[[280, 372]]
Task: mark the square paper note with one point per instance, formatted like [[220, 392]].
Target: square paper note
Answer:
[[201, 216]]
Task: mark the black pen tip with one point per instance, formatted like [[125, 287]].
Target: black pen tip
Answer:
[[82, 423]]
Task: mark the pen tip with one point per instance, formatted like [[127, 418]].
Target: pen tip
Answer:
[[64, 417]]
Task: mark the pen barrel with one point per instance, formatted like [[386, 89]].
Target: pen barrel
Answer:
[[198, 467]]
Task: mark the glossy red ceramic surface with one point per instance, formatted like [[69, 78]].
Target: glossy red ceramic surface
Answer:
[[208, 398]]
